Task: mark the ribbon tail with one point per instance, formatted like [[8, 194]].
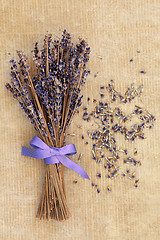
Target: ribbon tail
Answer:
[[70, 164]]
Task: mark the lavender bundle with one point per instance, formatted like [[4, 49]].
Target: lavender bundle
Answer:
[[50, 98]]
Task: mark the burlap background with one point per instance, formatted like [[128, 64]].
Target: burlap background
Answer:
[[115, 30]]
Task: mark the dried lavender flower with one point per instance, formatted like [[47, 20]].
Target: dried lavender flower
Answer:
[[50, 97]]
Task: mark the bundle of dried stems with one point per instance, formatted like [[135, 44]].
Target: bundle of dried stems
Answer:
[[50, 99]]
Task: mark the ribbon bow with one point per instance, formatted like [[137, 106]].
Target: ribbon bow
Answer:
[[53, 155]]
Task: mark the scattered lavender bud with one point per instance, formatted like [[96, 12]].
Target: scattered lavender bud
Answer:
[[111, 121], [125, 151], [109, 189], [99, 175]]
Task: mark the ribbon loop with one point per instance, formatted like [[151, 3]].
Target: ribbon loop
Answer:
[[53, 155]]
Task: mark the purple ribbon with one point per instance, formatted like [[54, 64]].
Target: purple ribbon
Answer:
[[53, 155]]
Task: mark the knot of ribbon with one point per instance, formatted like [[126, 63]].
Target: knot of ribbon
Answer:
[[53, 155]]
